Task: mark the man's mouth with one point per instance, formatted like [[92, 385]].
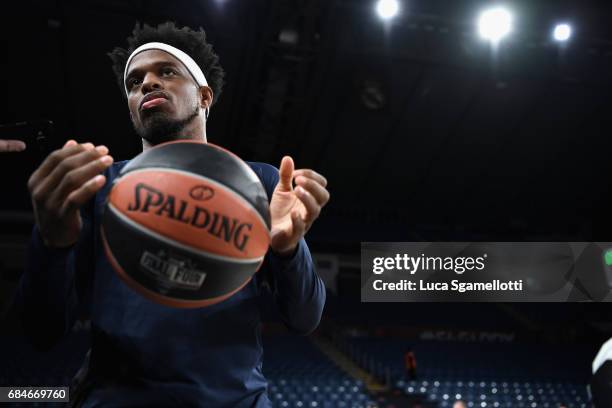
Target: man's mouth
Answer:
[[153, 99], [152, 103]]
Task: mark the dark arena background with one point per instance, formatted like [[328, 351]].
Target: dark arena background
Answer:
[[425, 133]]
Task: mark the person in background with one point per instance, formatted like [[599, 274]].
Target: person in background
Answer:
[[410, 364], [11, 146]]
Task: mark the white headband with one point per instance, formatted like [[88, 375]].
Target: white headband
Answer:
[[189, 63]]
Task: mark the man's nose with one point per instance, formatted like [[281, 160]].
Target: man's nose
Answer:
[[151, 82]]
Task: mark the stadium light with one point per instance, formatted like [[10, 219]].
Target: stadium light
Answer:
[[494, 24], [562, 32], [387, 9]]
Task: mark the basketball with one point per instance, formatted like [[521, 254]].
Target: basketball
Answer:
[[186, 224]]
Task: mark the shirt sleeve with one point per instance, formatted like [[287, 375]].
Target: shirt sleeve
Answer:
[[298, 292], [53, 290]]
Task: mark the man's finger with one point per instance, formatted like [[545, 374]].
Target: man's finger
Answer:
[[286, 174], [55, 158], [70, 143], [313, 209], [79, 197], [311, 174], [81, 174], [12, 145], [319, 192], [50, 183]]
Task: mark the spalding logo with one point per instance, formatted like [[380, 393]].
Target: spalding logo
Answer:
[[201, 193], [150, 200]]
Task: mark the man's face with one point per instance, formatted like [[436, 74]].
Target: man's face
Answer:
[[459, 404], [163, 97]]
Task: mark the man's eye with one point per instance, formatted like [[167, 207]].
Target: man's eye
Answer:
[[132, 82], [168, 71]]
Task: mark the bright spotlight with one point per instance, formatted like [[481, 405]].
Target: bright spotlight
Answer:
[[562, 32], [387, 9], [494, 24]]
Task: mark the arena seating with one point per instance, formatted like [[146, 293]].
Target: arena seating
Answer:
[[485, 375], [301, 376], [493, 394]]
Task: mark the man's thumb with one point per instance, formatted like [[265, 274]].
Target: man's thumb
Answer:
[[286, 173]]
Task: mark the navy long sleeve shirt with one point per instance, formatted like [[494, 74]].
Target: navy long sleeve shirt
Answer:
[[146, 354]]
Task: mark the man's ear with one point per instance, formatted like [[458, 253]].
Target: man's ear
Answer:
[[206, 97]]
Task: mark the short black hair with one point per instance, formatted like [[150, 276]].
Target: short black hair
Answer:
[[192, 42]]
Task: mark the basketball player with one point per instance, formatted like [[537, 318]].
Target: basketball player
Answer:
[[144, 354]]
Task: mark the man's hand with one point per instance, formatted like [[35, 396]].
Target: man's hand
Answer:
[[61, 185], [11, 146], [294, 210]]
